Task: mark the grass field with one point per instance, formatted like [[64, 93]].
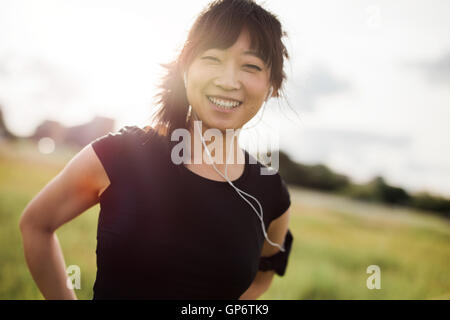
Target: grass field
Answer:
[[335, 240]]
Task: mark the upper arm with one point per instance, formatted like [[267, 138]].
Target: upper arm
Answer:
[[75, 189]]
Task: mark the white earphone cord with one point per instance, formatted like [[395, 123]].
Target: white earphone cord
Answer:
[[239, 191]]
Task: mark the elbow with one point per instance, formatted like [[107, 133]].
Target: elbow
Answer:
[[24, 220], [28, 224], [25, 227], [253, 294], [255, 291], [259, 286], [23, 223]]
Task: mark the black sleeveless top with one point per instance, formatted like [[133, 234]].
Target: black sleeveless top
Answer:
[[165, 232]]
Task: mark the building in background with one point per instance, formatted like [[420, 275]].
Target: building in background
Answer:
[[79, 136]]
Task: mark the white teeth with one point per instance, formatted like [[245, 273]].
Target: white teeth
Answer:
[[223, 103]]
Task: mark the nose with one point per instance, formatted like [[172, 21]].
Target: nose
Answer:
[[228, 79]]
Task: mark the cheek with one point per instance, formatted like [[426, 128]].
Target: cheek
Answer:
[[257, 89], [257, 95], [200, 73], [194, 89], [197, 83]]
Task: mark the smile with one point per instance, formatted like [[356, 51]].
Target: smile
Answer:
[[224, 104]]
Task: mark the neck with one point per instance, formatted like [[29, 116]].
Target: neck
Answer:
[[223, 148]]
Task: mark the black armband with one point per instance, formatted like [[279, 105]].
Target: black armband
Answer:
[[278, 262]]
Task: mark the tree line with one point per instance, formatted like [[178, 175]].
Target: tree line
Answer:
[[320, 177]]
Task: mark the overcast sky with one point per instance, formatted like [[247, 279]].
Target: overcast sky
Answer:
[[369, 80]]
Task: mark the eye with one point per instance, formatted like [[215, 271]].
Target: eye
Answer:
[[210, 58], [253, 67]]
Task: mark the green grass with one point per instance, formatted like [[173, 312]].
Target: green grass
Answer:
[[335, 240], [332, 250]]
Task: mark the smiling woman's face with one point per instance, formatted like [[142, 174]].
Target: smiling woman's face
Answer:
[[226, 88]]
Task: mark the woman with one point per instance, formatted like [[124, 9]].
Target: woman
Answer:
[[170, 230]]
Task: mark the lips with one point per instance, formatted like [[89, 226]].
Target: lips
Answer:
[[225, 106], [227, 99]]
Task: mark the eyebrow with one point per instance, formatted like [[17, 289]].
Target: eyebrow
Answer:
[[253, 53], [248, 53]]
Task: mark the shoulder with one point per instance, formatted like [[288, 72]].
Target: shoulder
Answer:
[[117, 149], [271, 185], [268, 174], [124, 138], [126, 132]]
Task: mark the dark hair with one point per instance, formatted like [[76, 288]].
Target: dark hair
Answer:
[[219, 26]]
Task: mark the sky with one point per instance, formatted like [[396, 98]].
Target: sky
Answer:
[[368, 81]]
